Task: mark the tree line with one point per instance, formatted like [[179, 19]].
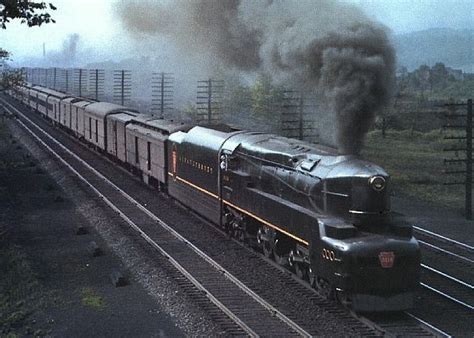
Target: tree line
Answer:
[[437, 82]]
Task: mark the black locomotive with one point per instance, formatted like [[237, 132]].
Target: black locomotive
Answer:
[[327, 216], [324, 215]]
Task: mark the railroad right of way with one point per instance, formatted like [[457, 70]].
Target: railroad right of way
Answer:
[[289, 299]]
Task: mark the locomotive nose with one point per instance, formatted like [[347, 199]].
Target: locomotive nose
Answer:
[[370, 195], [358, 189]]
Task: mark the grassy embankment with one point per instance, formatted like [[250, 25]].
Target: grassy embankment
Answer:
[[415, 161], [20, 291], [19, 288]]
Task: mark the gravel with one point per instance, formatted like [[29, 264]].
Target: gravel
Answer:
[[137, 257]]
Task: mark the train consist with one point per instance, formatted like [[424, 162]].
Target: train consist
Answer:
[[325, 216]]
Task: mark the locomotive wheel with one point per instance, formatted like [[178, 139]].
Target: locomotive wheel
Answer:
[[267, 249], [324, 288], [242, 234], [236, 228], [266, 237], [280, 257], [311, 277], [343, 298], [239, 234], [282, 250], [301, 271]]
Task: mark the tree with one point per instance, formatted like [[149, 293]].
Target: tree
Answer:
[[8, 77], [265, 97], [439, 75], [424, 77], [4, 54], [33, 14], [30, 12]]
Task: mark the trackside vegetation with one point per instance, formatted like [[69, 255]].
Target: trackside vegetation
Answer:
[[415, 161]]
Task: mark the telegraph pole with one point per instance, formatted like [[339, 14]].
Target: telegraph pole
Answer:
[[460, 123]]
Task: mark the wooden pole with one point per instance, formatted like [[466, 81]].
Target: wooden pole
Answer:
[[162, 101], [209, 102], [123, 88], [97, 84], [301, 115], [469, 161]]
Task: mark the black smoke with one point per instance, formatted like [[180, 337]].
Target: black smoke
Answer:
[[321, 44]]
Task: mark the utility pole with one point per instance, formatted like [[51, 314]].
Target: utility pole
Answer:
[[469, 160], [161, 94], [296, 117], [54, 78], [96, 83], [209, 101], [80, 82], [67, 80], [122, 86], [460, 124]]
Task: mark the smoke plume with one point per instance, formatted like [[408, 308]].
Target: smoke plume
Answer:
[[67, 55], [323, 45]]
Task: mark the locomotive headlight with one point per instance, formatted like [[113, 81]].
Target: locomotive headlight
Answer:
[[377, 183], [224, 162]]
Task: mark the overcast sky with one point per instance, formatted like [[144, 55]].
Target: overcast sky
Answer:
[[97, 24]]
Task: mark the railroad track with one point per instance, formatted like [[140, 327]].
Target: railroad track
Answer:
[[403, 324], [444, 244], [290, 296], [447, 279], [252, 315], [447, 267], [392, 326]]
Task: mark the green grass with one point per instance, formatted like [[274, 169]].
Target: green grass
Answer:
[[5, 146], [17, 283], [91, 298], [415, 162]]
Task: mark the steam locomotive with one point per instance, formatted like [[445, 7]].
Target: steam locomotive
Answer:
[[324, 215]]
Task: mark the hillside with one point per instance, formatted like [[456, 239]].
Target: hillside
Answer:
[[452, 47]]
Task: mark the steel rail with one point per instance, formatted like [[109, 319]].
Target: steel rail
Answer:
[[217, 266], [441, 293], [454, 279], [434, 328], [447, 239], [445, 251], [147, 238], [228, 275]]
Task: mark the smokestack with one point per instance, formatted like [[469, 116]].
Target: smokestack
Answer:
[[44, 50]]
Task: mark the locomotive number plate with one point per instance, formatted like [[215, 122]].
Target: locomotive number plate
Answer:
[[386, 259]]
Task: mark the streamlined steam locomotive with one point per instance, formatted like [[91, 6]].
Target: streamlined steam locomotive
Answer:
[[326, 216]]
